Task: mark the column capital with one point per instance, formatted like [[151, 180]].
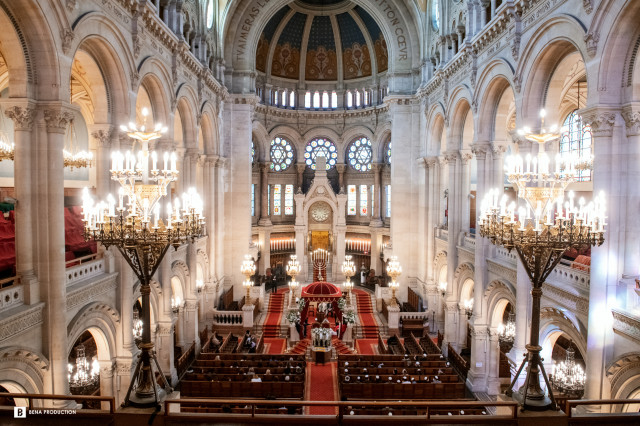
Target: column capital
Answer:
[[102, 134], [57, 119], [22, 116], [265, 167], [631, 116], [601, 119], [341, 167], [450, 157], [498, 149], [211, 159], [480, 150], [430, 161], [465, 157], [300, 167]]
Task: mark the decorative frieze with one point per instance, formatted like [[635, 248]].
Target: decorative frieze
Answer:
[[508, 273], [22, 117], [571, 301], [21, 322], [626, 324], [91, 291]]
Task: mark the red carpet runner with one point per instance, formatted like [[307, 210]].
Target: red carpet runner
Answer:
[[322, 386], [367, 346], [271, 326], [275, 345], [365, 312]]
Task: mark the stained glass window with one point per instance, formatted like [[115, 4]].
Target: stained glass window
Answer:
[[281, 154], [288, 199], [576, 140], [387, 153], [253, 199], [435, 14], [360, 154], [388, 197], [364, 200], [276, 199], [351, 200], [253, 152], [321, 146]]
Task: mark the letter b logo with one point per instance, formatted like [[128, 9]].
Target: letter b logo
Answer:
[[19, 412]]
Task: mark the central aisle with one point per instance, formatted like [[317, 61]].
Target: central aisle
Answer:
[[322, 385]]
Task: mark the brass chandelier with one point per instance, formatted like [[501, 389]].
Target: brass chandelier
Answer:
[[540, 229], [143, 238]]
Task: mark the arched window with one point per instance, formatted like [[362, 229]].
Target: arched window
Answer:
[[307, 100], [292, 99], [323, 146], [349, 99], [316, 100], [281, 154], [275, 98], [360, 154], [325, 100], [576, 139], [334, 99], [435, 14], [357, 98], [387, 153], [209, 14], [284, 98], [253, 152]]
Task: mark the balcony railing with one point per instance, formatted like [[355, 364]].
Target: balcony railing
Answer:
[[83, 268]]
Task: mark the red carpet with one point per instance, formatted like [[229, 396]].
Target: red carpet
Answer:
[[271, 326], [367, 346], [322, 386], [365, 312], [275, 345]]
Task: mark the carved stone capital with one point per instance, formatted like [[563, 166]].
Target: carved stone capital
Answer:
[[480, 150], [465, 157], [341, 168], [67, 36], [450, 157], [265, 167], [22, 117], [103, 137], [588, 6], [632, 120], [592, 39], [431, 162], [600, 120], [57, 121]]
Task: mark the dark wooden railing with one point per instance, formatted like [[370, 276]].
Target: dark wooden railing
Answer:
[[186, 359], [429, 346], [204, 335], [382, 346], [88, 398], [458, 363], [440, 339], [260, 345], [227, 299], [413, 300]]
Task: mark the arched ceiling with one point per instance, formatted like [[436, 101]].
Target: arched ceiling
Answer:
[[316, 40]]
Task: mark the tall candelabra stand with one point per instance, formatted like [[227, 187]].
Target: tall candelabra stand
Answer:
[[142, 241], [540, 230], [320, 259], [293, 269], [394, 270], [349, 270], [247, 269]]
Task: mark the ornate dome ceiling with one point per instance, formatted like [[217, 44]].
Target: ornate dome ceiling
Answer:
[[316, 40]]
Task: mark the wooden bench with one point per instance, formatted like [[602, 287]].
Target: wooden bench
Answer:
[[412, 325]]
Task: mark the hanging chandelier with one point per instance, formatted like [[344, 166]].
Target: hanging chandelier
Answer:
[[540, 229], [507, 333], [73, 158], [248, 269], [85, 376], [137, 327], [468, 307], [394, 270], [569, 377], [7, 150]]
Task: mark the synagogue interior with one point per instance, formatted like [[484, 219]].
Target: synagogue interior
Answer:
[[320, 211]]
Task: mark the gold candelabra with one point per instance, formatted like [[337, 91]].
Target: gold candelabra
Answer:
[[394, 270], [248, 269], [293, 269], [540, 230], [143, 240], [349, 270]]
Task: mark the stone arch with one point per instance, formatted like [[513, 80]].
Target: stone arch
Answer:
[[295, 139], [261, 140], [102, 321], [494, 89], [351, 135], [496, 297], [461, 276], [186, 106], [31, 56], [624, 377], [554, 40], [203, 262], [554, 323], [618, 79], [24, 367], [180, 270], [440, 263], [156, 80], [379, 142], [210, 129], [245, 21], [459, 109], [319, 132]]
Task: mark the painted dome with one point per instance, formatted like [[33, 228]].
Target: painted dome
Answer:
[[322, 41]]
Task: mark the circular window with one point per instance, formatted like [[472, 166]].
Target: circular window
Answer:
[[435, 14], [210, 14], [359, 155], [321, 146], [281, 154]]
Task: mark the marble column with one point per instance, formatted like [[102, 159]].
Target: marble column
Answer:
[[341, 168], [376, 211], [376, 244], [126, 306], [497, 155], [465, 158], [452, 256], [423, 220], [191, 296], [53, 290], [265, 220], [106, 381], [209, 197], [24, 186], [220, 171], [463, 324], [102, 133], [264, 236], [631, 269], [493, 379], [433, 195], [605, 260]]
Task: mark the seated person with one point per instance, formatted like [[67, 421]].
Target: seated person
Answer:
[[256, 379]]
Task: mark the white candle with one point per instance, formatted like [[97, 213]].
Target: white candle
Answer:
[[154, 161], [169, 216]]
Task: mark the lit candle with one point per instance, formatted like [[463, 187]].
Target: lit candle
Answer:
[[121, 198], [112, 205], [157, 215]]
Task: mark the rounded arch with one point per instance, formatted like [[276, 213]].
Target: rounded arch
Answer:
[[496, 94], [496, 298], [102, 322], [180, 270], [261, 140], [186, 108], [554, 323], [461, 278], [381, 138], [203, 265], [437, 130], [210, 129], [553, 41], [156, 80], [624, 377], [460, 110], [440, 266], [24, 367]]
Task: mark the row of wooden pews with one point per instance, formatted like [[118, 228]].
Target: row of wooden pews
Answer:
[[235, 376]]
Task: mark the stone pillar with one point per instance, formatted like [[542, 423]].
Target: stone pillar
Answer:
[[477, 377], [463, 325], [465, 211], [164, 350], [483, 12], [631, 269], [341, 168], [299, 175], [450, 324], [106, 381], [53, 289], [376, 211], [220, 172], [264, 237], [442, 187], [102, 133], [523, 291], [24, 157], [190, 316], [460, 33], [452, 256], [497, 154], [210, 201], [433, 195], [376, 244], [265, 220], [493, 379], [608, 155], [180, 327], [126, 306]]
